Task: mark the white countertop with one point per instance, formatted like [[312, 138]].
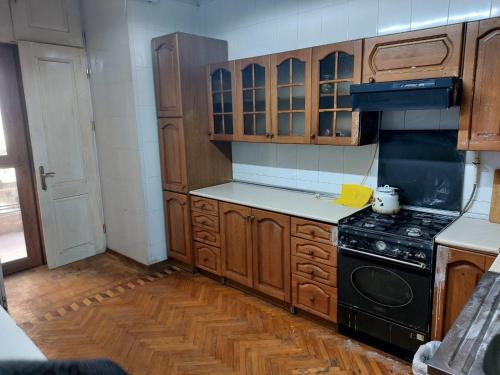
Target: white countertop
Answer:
[[14, 343], [495, 267], [473, 234], [284, 201]]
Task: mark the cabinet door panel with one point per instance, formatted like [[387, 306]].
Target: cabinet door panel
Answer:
[[205, 221], [314, 271], [253, 100], [457, 274], [480, 113], [206, 236], [317, 252], [271, 254], [236, 243], [221, 101], [206, 205], [334, 68], [316, 298], [419, 54], [312, 230], [173, 155], [207, 258], [48, 21], [167, 76], [291, 96], [178, 227]]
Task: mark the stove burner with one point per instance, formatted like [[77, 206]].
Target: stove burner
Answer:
[[414, 232]]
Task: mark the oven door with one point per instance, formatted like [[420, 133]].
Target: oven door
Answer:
[[385, 288]]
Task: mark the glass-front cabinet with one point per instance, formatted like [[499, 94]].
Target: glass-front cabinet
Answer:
[[220, 101], [253, 99], [334, 68], [291, 96]]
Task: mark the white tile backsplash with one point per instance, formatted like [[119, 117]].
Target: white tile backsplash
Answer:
[[394, 16], [429, 13]]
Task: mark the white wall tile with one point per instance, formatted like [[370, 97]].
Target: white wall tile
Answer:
[[466, 10], [309, 28], [287, 33], [429, 13], [363, 18], [495, 8], [394, 16], [335, 22]]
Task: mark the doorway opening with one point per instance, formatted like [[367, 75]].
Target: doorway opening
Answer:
[[20, 241]]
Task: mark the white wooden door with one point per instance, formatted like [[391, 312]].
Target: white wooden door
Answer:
[[60, 116], [6, 32], [48, 21]]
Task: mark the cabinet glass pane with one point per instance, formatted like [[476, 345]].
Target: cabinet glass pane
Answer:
[[343, 97], [228, 124], [260, 124], [260, 76], [217, 103], [247, 77], [346, 66], [327, 88], [298, 71], [283, 124], [248, 101], [248, 124], [283, 98], [284, 72], [228, 102], [260, 100], [298, 123], [216, 81], [226, 79], [326, 124], [218, 124], [326, 101], [344, 124], [298, 97], [327, 68]]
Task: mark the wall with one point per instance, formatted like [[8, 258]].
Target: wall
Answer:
[[119, 34], [259, 27]]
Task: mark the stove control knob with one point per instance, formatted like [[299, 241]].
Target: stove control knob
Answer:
[[420, 255], [406, 254], [396, 252], [353, 242]]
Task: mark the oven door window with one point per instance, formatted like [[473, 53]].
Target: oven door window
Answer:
[[381, 286]]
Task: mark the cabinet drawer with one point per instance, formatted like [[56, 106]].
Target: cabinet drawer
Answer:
[[314, 271], [209, 206], [207, 257], [205, 221], [312, 230], [206, 236], [321, 253], [313, 297]]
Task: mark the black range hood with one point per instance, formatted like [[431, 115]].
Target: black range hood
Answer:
[[415, 94]]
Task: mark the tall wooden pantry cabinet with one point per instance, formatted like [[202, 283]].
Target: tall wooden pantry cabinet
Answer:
[[189, 160]]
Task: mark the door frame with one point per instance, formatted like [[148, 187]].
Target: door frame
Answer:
[[22, 160]]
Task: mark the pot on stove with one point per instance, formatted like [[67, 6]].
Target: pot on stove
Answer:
[[386, 200]]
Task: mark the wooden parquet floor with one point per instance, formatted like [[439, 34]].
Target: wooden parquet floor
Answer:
[[172, 322]]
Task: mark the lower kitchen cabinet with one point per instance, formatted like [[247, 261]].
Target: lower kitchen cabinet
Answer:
[[457, 274], [207, 258], [316, 298], [236, 243], [178, 227], [271, 254]]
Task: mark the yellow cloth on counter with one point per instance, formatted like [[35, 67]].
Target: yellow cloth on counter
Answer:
[[355, 196]]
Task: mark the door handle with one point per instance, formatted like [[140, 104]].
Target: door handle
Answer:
[[43, 176]]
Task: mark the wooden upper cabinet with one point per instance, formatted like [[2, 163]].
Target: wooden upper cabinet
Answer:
[[167, 76], [480, 110], [291, 96], [236, 243], [179, 227], [220, 101], [457, 274], [172, 154], [48, 21], [253, 80], [271, 254], [334, 68], [429, 53]]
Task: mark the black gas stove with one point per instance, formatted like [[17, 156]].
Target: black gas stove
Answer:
[[407, 236], [386, 275]]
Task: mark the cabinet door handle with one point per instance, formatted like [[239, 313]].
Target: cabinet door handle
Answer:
[[205, 260], [268, 135], [44, 175], [312, 299], [313, 136]]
